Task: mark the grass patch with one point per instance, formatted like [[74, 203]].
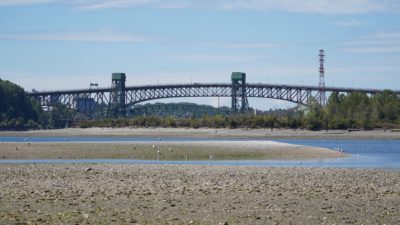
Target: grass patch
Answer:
[[161, 151]]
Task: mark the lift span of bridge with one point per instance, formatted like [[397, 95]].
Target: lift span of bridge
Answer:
[[129, 96]]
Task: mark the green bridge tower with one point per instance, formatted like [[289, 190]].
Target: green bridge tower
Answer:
[[239, 98], [117, 95]]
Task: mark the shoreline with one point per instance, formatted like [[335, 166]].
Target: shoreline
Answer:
[[265, 134]]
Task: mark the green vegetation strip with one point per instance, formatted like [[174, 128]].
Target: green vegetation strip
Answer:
[[163, 151]]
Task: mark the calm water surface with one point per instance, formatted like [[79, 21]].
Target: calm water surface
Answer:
[[383, 154]]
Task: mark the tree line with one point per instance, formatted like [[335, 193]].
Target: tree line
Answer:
[[351, 111], [355, 110], [18, 111]]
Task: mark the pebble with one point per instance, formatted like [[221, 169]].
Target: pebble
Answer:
[[153, 193]]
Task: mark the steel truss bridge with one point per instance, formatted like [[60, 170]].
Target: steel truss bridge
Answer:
[[88, 100]]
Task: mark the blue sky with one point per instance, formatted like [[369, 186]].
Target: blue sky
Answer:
[[60, 44]]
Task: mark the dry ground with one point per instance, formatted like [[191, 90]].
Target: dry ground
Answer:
[[160, 194]]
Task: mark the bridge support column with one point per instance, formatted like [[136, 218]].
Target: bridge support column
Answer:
[[239, 98], [117, 95]]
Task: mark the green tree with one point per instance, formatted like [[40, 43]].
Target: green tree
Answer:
[[17, 108], [314, 117], [386, 106]]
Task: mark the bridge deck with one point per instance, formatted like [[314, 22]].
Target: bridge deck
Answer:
[[215, 85]]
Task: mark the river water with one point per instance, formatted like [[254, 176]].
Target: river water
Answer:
[[384, 154]]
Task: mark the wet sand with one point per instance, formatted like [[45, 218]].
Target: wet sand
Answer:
[[212, 133], [184, 194]]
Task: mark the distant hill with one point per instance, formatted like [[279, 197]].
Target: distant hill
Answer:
[[177, 110]]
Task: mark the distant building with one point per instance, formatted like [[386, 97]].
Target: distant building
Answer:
[[86, 106]]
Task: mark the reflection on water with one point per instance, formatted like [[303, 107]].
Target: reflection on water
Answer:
[[364, 153]]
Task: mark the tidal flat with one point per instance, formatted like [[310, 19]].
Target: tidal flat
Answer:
[[169, 150], [188, 194], [274, 134], [106, 193]]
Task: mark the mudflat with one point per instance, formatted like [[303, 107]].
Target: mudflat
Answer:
[[212, 133], [186, 194]]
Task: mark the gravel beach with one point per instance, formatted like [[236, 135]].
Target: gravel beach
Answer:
[[185, 194]]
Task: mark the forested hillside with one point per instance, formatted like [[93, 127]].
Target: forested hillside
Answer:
[[178, 110], [17, 110]]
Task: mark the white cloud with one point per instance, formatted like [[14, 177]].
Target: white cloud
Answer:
[[256, 45], [95, 5], [382, 42], [160, 4], [215, 58], [374, 49], [303, 6], [23, 2], [349, 23], [363, 69], [89, 36], [386, 35], [316, 6]]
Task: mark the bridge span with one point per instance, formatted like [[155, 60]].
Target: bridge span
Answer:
[[117, 98]]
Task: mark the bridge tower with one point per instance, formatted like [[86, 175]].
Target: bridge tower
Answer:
[[239, 98], [117, 95], [321, 84]]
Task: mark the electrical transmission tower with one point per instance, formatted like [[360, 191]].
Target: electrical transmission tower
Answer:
[[321, 84]]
